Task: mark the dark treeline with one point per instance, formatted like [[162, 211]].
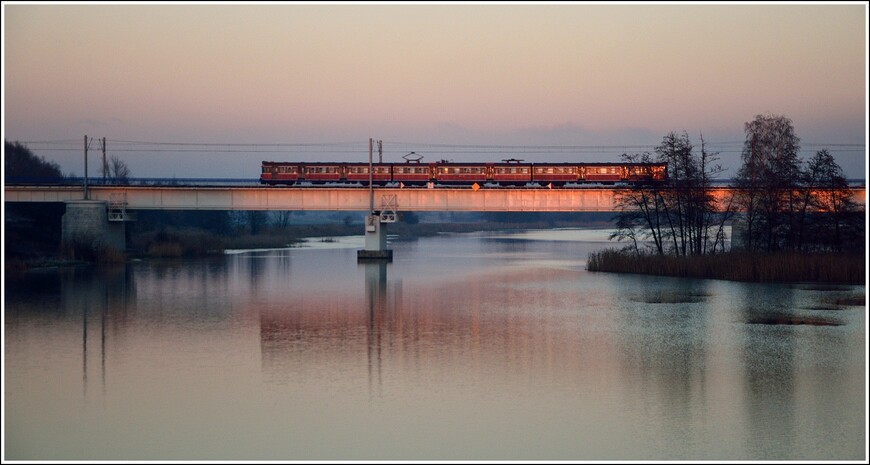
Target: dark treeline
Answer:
[[781, 206], [793, 205], [22, 163]]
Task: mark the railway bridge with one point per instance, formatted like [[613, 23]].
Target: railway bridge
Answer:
[[106, 207]]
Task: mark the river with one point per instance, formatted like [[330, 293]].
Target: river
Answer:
[[485, 346]]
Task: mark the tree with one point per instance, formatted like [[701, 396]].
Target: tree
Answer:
[[118, 171], [282, 218], [21, 162], [680, 215], [256, 220], [641, 210], [829, 218], [768, 182]]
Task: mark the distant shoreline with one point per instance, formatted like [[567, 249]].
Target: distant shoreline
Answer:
[[174, 242]]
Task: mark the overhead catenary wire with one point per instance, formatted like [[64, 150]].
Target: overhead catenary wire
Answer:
[[725, 147]]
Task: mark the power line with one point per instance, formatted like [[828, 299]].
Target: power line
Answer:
[[726, 147], [260, 144]]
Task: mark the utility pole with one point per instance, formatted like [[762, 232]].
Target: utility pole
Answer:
[[380, 151], [86, 168], [371, 183], [105, 166]]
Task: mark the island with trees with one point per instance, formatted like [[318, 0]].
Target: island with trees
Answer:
[[791, 220]]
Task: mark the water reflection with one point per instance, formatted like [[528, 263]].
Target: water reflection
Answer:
[[102, 299], [462, 348], [769, 364], [663, 350]]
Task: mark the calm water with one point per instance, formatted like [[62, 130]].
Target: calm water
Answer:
[[480, 346]]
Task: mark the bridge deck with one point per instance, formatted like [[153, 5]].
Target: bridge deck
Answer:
[[350, 199]]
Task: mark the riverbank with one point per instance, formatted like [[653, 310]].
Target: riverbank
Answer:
[[782, 267], [172, 242], [196, 242]]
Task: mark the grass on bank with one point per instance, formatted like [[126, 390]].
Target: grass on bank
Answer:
[[780, 267]]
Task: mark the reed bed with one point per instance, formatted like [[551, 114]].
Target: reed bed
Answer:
[[782, 267], [90, 251], [179, 243]]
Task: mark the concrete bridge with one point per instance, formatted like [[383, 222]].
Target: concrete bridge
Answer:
[[102, 216], [599, 199]]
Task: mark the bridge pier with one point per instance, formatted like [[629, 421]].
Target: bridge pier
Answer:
[[376, 240], [86, 222]]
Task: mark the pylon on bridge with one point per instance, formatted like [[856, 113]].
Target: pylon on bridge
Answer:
[[376, 231]]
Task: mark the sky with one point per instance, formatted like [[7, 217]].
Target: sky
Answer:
[[210, 90]]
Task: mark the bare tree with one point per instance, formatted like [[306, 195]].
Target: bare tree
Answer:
[[282, 218], [256, 220], [828, 212], [641, 210], [768, 182], [680, 215], [118, 171]]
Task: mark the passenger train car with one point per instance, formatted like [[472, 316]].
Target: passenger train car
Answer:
[[508, 173]]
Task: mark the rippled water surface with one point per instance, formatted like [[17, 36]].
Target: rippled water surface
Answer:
[[473, 346]]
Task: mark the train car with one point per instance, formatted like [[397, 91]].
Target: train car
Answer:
[[461, 173], [660, 172], [413, 173], [319, 173], [602, 172], [657, 172], [280, 173], [359, 172], [557, 174], [510, 173]]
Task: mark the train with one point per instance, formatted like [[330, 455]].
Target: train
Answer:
[[445, 173]]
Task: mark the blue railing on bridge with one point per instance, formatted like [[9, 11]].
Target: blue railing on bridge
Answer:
[[169, 182]]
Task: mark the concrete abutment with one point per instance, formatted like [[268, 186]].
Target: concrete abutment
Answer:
[[86, 223]]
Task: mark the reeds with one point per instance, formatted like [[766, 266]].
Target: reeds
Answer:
[[780, 267], [180, 243], [91, 251]]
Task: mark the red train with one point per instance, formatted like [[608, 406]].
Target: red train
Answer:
[[508, 173]]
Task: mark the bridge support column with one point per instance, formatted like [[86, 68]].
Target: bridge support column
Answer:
[[376, 241], [86, 223]]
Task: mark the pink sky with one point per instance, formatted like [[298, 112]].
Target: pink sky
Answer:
[[559, 74]]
